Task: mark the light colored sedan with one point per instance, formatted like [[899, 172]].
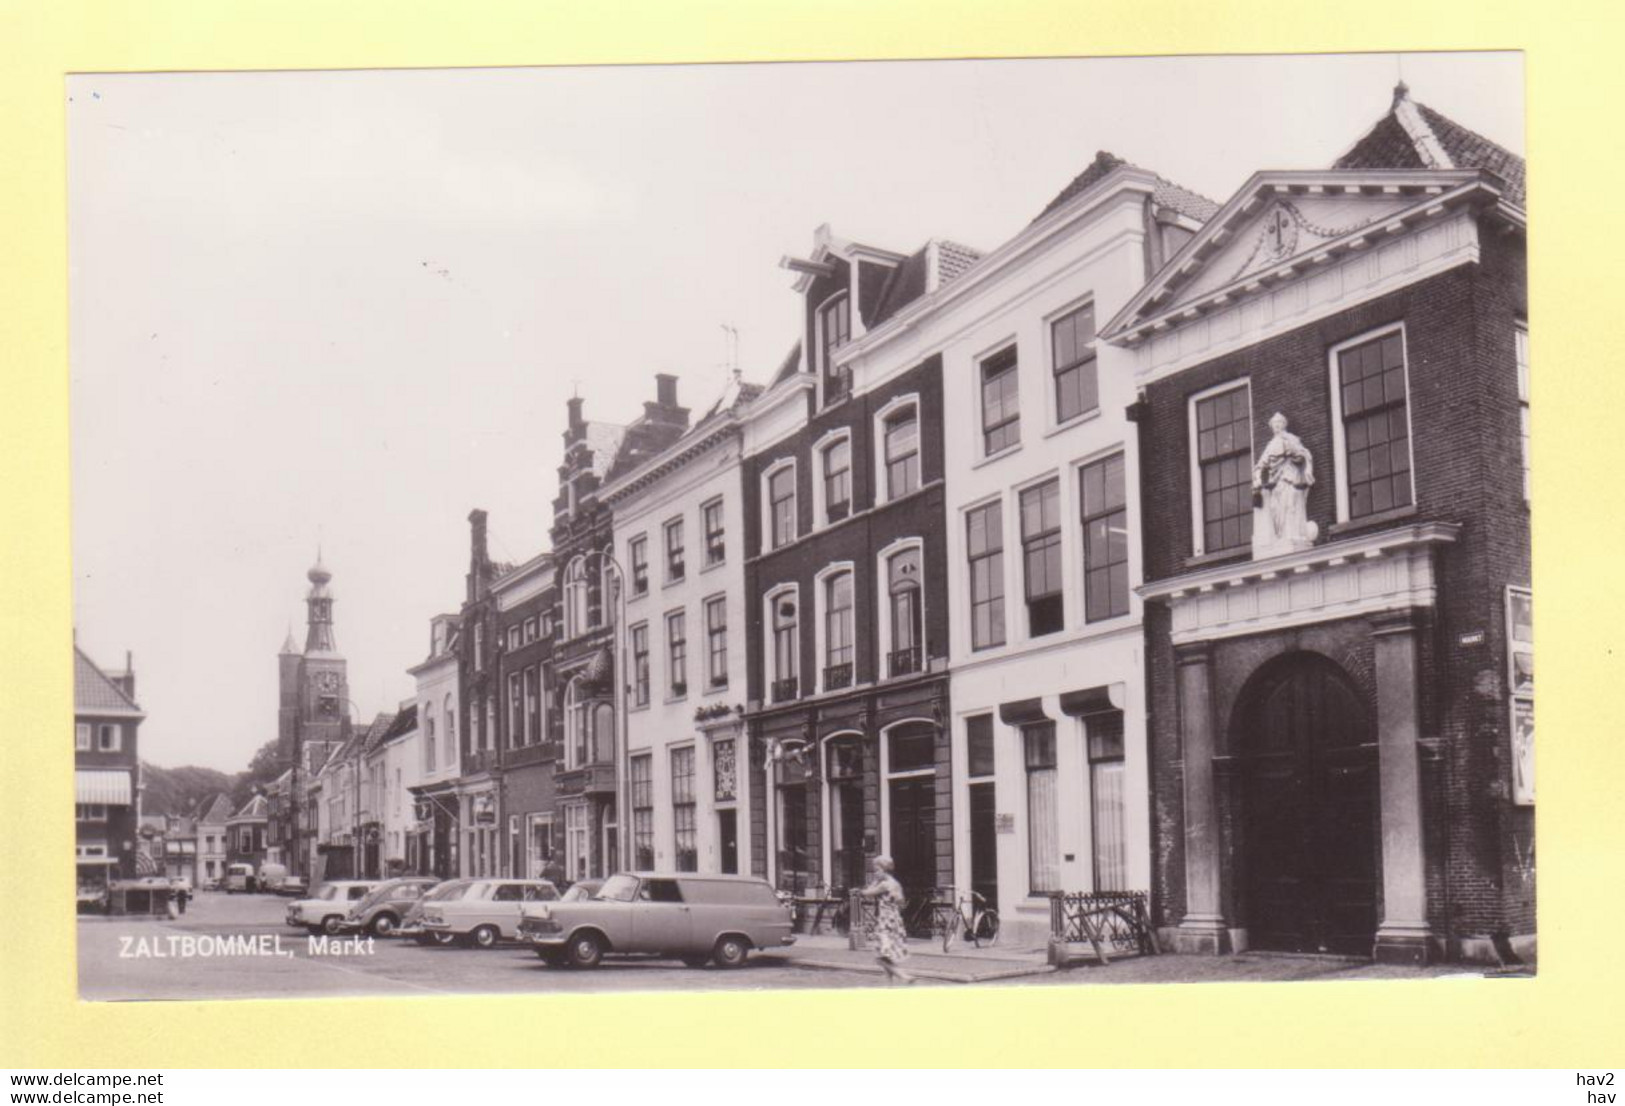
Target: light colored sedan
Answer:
[[486, 912], [695, 918], [324, 911]]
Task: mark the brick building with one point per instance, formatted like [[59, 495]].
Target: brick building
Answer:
[[1341, 715], [530, 734], [588, 781], [1049, 757], [846, 601], [106, 775]]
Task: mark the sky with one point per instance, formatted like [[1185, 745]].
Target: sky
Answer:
[[342, 309]]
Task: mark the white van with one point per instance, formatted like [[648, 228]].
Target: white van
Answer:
[[240, 877]]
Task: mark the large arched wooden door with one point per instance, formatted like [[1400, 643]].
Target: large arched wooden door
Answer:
[[1308, 821]]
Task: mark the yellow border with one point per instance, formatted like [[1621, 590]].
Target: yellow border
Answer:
[[1569, 1016]]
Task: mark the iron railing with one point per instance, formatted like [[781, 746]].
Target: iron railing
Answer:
[[904, 662], [1115, 923], [784, 690], [837, 676]]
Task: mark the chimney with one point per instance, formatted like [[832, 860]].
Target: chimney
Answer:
[[664, 410], [577, 423], [479, 556], [125, 681]]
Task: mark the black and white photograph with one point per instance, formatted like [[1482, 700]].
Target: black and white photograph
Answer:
[[1045, 522]]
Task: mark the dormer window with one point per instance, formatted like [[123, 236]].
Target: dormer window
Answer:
[[834, 330]]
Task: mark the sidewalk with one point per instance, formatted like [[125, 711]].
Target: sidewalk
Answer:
[[926, 959]]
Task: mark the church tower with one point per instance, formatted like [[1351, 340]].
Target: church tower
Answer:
[[288, 663], [314, 685]]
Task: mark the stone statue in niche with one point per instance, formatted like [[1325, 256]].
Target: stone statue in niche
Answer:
[[1281, 481]]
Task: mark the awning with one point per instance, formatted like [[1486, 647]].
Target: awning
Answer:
[[1092, 700], [1022, 712], [110, 787]]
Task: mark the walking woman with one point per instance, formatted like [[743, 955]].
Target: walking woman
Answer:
[[889, 932]]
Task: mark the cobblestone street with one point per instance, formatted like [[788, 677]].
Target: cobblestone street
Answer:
[[241, 948]]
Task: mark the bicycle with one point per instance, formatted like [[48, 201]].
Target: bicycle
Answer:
[[970, 917]]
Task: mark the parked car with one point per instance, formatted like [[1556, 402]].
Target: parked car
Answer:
[[698, 919], [486, 911], [381, 911], [240, 877], [581, 889], [271, 875], [324, 911], [412, 921], [292, 887]]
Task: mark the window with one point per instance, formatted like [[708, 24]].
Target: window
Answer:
[[490, 722], [781, 500], [428, 737], [979, 760], [109, 738], [577, 724], [643, 814], [716, 642], [716, 546], [674, 551], [451, 728], [786, 634], [1521, 679], [837, 480], [479, 646], [530, 630], [1107, 814], [677, 653], [1521, 346], [90, 812], [1223, 430], [724, 771], [1043, 814], [1105, 539], [984, 547], [1041, 556], [907, 615], [516, 710], [682, 809], [902, 438], [834, 329], [515, 638], [838, 631], [533, 705], [639, 556], [1072, 353], [81, 736], [575, 601], [1375, 422], [1001, 403], [640, 665]]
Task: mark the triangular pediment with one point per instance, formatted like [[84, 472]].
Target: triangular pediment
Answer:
[[1283, 224]]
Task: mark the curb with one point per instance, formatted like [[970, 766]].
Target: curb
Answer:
[[924, 972]]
